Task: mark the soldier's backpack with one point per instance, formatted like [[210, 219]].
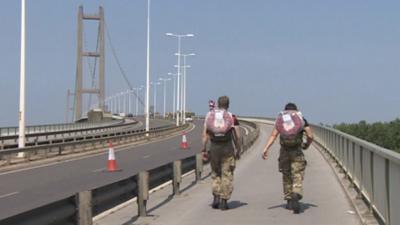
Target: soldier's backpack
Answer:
[[290, 125], [219, 125]]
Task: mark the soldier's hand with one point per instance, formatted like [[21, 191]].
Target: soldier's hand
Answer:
[[265, 155], [237, 155], [305, 146], [204, 155]]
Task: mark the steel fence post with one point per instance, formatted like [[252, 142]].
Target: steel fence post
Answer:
[[143, 194], [84, 208], [199, 166], [177, 176]]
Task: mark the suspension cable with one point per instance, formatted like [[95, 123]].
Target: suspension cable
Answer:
[[119, 64]]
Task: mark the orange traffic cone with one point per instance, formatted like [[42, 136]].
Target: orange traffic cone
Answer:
[[184, 143], [112, 163]]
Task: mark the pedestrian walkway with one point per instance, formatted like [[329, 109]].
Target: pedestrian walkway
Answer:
[[257, 197]]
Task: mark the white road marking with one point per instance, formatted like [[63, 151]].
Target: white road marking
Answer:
[[98, 170], [146, 156], [8, 195]]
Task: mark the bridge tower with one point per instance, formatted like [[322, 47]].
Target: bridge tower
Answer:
[[98, 90]]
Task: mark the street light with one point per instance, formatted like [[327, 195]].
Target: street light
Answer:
[[119, 99], [21, 123], [131, 91], [155, 98], [174, 97], [184, 82], [148, 71], [137, 99], [126, 101], [179, 36], [110, 104], [115, 103], [165, 90], [183, 91]]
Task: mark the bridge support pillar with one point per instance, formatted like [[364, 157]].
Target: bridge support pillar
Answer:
[[199, 166], [84, 207], [143, 193], [177, 176]]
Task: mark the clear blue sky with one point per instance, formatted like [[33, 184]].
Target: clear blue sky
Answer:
[[338, 60]]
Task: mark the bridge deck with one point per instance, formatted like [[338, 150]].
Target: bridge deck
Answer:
[[257, 197]]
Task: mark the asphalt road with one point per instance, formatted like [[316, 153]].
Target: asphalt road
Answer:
[[30, 188]]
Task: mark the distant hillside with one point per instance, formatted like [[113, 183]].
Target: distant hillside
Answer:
[[385, 134]]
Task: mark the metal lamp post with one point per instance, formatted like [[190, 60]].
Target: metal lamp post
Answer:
[[174, 97], [121, 102], [137, 99], [165, 92], [179, 36], [21, 124], [148, 71], [155, 97], [115, 103], [184, 83], [126, 101]]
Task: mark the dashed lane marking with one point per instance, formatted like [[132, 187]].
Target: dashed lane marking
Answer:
[[8, 195], [98, 170]]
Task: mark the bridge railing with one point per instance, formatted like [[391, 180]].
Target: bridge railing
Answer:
[[13, 131], [374, 171], [84, 143], [44, 138]]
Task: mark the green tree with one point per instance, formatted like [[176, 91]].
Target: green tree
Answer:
[[385, 134]]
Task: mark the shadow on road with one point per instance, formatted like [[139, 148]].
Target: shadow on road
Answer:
[[236, 204], [188, 187], [303, 206], [131, 221], [170, 197]]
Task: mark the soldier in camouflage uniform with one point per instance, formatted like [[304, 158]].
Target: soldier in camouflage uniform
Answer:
[[222, 160], [292, 163]]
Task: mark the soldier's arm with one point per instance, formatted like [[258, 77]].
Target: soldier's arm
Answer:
[[204, 138], [237, 139], [271, 140], [310, 137]]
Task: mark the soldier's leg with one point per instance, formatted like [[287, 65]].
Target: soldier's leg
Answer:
[[298, 167], [285, 169], [228, 166], [215, 163]]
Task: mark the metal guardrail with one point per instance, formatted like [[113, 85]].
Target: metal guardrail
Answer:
[[81, 207], [37, 138], [374, 171], [84, 143], [13, 131]]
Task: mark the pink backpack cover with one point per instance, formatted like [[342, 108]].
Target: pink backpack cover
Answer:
[[289, 124], [219, 122]]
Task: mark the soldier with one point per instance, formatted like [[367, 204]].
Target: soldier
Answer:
[[219, 128], [290, 126]]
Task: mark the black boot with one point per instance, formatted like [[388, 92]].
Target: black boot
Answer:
[[215, 203], [295, 203], [289, 204], [224, 204]]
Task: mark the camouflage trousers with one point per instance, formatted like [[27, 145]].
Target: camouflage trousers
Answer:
[[292, 165], [222, 166]]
